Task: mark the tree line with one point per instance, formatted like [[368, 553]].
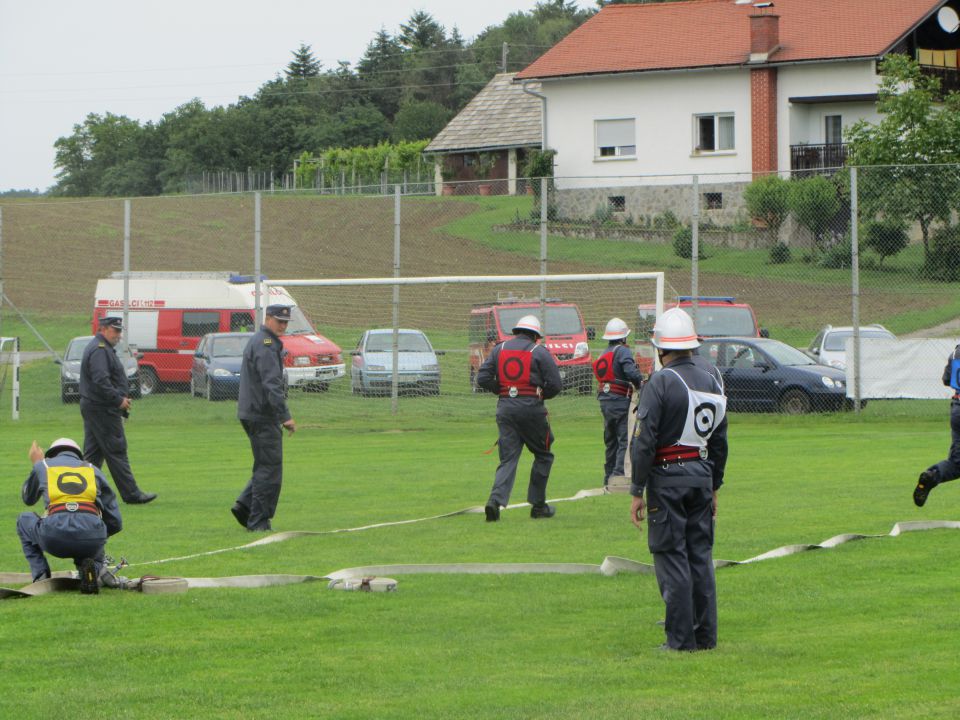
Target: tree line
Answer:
[[405, 87]]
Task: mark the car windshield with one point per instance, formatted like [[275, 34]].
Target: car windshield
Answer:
[[562, 320], [719, 320], [785, 354], [229, 346], [77, 346], [406, 342], [837, 341], [299, 325]]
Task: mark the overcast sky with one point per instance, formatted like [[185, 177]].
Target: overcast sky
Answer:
[[61, 59]]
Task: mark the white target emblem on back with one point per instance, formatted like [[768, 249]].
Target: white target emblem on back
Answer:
[[704, 418]]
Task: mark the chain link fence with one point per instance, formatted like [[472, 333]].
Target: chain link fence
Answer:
[[776, 261]]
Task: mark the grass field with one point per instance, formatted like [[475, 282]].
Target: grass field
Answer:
[[866, 630]]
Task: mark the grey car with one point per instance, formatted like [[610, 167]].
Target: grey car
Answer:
[[418, 366], [70, 369]]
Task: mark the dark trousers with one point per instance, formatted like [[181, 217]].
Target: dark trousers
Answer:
[[104, 439], [74, 538], [680, 536], [615, 416], [262, 492], [949, 469], [523, 426]]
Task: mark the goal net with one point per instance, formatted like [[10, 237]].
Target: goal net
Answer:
[[417, 342]]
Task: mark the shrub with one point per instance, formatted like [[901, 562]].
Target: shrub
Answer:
[[683, 243], [779, 254], [665, 221], [838, 255], [813, 202], [943, 260], [885, 237], [766, 200]]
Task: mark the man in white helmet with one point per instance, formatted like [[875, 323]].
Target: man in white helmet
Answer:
[[617, 379], [524, 374], [679, 453], [81, 512]]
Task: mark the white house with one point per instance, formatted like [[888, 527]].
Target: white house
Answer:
[[725, 89]]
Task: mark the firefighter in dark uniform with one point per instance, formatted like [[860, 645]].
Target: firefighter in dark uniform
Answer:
[[104, 403], [679, 453], [617, 380], [81, 512], [524, 374], [262, 410], [948, 469]]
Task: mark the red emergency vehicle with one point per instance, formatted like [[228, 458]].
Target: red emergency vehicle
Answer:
[[170, 311], [716, 316], [565, 336]]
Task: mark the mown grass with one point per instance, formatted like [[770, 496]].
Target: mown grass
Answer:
[[845, 633]]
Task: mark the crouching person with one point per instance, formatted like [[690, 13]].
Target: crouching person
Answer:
[[81, 513]]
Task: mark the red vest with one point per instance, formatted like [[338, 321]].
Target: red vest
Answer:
[[513, 372], [607, 382]]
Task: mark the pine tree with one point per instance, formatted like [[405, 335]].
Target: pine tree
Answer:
[[303, 65]]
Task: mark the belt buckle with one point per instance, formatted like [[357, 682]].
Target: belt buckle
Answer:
[[71, 506], [513, 392], [703, 453], [606, 387]]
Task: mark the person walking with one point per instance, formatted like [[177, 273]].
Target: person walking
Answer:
[[262, 410], [679, 454], [524, 374], [617, 379], [81, 513], [104, 404], [948, 469]]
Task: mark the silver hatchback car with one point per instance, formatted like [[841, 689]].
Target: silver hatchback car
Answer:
[[418, 366]]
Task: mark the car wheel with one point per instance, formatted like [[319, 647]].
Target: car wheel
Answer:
[[585, 386], [149, 383], [64, 398], [795, 402]]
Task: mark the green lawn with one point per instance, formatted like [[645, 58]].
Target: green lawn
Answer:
[[864, 630]]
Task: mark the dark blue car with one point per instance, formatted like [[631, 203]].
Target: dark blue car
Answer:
[[215, 373], [761, 374]]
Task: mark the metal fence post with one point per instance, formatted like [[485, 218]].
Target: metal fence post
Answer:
[[855, 285], [395, 375], [544, 183], [695, 249], [126, 271], [256, 260], [1, 272]]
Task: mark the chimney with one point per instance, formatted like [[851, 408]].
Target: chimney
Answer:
[[764, 36]]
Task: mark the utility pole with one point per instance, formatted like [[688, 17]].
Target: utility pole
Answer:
[[505, 50]]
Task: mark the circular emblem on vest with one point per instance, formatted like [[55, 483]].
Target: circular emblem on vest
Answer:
[[704, 417], [71, 507], [71, 483], [602, 366], [513, 369], [513, 391]]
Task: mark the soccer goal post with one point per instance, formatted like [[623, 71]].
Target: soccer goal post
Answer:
[[427, 336]]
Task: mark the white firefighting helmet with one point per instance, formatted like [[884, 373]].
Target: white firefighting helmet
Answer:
[[616, 330], [61, 444], [674, 330], [530, 323]]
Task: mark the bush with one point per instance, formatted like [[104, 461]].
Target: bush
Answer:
[[814, 202], [683, 244], [779, 254], [943, 260], [665, 221], [766, 200], [885, 237], [837, 256]]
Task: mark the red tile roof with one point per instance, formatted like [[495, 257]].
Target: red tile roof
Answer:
[[710, 33]]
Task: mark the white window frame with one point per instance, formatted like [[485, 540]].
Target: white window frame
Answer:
[[716, 150], [616, 151]]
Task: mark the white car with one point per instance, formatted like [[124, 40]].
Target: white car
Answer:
[[829, 347]]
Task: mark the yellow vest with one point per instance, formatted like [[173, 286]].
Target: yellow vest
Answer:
[[71, 484]]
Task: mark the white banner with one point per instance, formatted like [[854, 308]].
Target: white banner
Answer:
[[910, 368]]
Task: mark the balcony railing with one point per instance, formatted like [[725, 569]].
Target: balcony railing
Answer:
[[949, 77], [818, 157]]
